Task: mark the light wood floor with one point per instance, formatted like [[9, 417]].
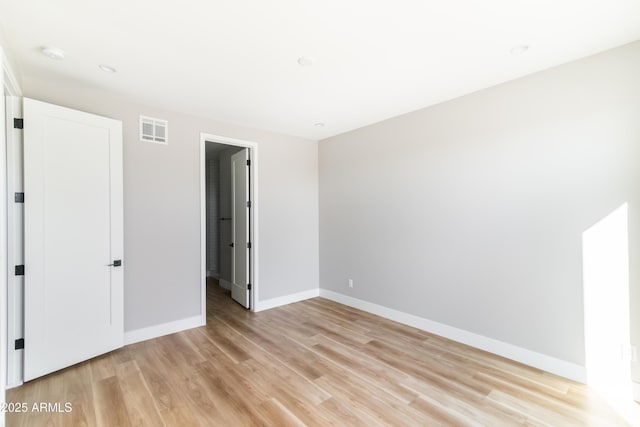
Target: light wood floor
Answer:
[[310, 363]]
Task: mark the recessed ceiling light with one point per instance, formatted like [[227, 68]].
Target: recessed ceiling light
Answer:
[[52, 52], [520, 49], [107, 69], [319, 125], [306, 61]]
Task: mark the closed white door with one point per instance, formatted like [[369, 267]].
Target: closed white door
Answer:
[[240, 203], [73, 307]]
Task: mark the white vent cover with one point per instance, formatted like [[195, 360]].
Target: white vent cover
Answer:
[[154, 130]]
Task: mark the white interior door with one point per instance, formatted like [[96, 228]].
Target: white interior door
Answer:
[[73, 232], [240, 287]]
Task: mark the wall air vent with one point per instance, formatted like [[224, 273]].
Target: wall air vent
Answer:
[[154, 130]]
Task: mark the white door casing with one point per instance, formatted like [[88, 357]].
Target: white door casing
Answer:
[[15, 241], [73, 230], [240, 214]]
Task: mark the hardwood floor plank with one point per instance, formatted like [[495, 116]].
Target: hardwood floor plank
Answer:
[[341, 414], [157, 379], [79, 392], [141, 408], [441, 414], [462, 406], [305, 412], [216, 400], [112, 410], [102, 367], [275, 414], [370, 404], [227, 346], [370, 370]]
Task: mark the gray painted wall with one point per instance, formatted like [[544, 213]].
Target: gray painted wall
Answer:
[[162, 205], [471, 212]]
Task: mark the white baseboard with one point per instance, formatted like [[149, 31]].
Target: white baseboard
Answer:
[[156, 331], [14, 385], [287, 299], [224, 284], [636, 391], [537, 360]]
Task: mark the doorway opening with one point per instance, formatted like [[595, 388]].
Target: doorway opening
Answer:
[[608, 349], [229, 219]]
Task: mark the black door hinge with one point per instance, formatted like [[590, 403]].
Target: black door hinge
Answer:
[[249, 203], [248, 286], [19, 344], [18, 123], [248, 245], [19, 270], [248, 162], [19, 197]]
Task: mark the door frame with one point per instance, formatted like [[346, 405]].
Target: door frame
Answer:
[[253, 222], [12, 227]]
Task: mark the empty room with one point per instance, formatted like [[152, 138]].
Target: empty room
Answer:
[[348, 213]]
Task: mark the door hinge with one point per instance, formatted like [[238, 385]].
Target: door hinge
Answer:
[[248, 162], [249, 203], [19, 197], [18, 123], [19, 270], [19, 344], [248, 286], [248, 245]]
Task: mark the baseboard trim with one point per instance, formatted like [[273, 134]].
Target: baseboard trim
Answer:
[[156, 331], [528, 357], [287, 299], [224, 284], [14, 385]]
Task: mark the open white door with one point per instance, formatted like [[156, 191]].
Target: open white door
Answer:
[[240, 203], [73, 237]]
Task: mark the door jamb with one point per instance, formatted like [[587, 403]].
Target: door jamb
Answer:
[[15, 244], [253, 234], [12, 228]]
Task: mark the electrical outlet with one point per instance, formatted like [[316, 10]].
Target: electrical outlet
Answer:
[[351, 283]]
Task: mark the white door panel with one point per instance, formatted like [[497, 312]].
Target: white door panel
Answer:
[[240, 215], [73, 231]]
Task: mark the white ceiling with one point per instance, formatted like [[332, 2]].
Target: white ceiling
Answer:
[[236, 60]]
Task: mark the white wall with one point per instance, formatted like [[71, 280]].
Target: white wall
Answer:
[[471, 213], [162, 205]]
